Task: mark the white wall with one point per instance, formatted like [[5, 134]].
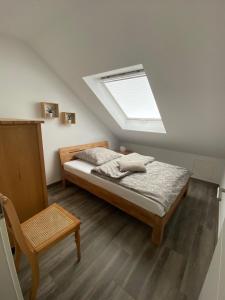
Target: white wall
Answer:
[[25, 80], [203, 167], [179, 43], [222, 205], [9, 283], [213, 287]]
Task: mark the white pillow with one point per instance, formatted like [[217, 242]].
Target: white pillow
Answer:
[[132, 166], [98, 155]]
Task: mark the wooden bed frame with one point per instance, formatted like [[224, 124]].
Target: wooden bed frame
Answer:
[[156, 222]]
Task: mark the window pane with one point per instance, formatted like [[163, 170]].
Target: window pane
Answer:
[[134, 96]]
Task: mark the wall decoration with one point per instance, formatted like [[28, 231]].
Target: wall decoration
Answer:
[[49, 110], [68, 118]]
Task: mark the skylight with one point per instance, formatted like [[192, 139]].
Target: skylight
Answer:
[[127, 96], [133, 94]]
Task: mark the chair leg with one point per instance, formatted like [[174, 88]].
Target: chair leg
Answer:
[[17, 256], [35, 276], [77, 241]]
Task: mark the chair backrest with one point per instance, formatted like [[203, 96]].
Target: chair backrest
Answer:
[[14, 223]]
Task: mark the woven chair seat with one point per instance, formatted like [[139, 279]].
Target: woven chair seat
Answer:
[[48, 226]]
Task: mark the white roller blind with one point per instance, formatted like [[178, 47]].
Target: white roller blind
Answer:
[[133, 94]]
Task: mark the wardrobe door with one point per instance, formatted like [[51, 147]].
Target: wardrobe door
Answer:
[[22, 171]]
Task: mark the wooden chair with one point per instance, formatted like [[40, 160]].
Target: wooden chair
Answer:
[[39, 233]]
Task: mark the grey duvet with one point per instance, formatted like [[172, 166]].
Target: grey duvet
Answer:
[[161, 182]]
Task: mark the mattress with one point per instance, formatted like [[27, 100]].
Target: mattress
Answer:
[[83, 170]]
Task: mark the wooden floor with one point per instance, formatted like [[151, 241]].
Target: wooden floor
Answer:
[[119, 262]]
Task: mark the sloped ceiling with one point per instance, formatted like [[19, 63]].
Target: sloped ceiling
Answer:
[[181, 45]]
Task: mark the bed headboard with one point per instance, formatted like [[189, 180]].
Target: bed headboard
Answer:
[[68, 153]]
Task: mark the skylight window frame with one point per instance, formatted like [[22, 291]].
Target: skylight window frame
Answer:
[[125, 76], [104, 96]]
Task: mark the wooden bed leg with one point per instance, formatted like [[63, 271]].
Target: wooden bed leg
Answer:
[[185, 193], [64, 183], [157, 234]]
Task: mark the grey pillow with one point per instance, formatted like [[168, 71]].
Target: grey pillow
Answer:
[[98, 155], [132, 166]]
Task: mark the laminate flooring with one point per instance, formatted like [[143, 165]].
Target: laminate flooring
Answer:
[[119, 262]]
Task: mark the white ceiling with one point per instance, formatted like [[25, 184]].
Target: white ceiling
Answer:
[[180, 43]]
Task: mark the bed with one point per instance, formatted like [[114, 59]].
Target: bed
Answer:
[[143, 208]]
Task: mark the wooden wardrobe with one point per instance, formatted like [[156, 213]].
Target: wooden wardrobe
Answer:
[[22, 172]]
